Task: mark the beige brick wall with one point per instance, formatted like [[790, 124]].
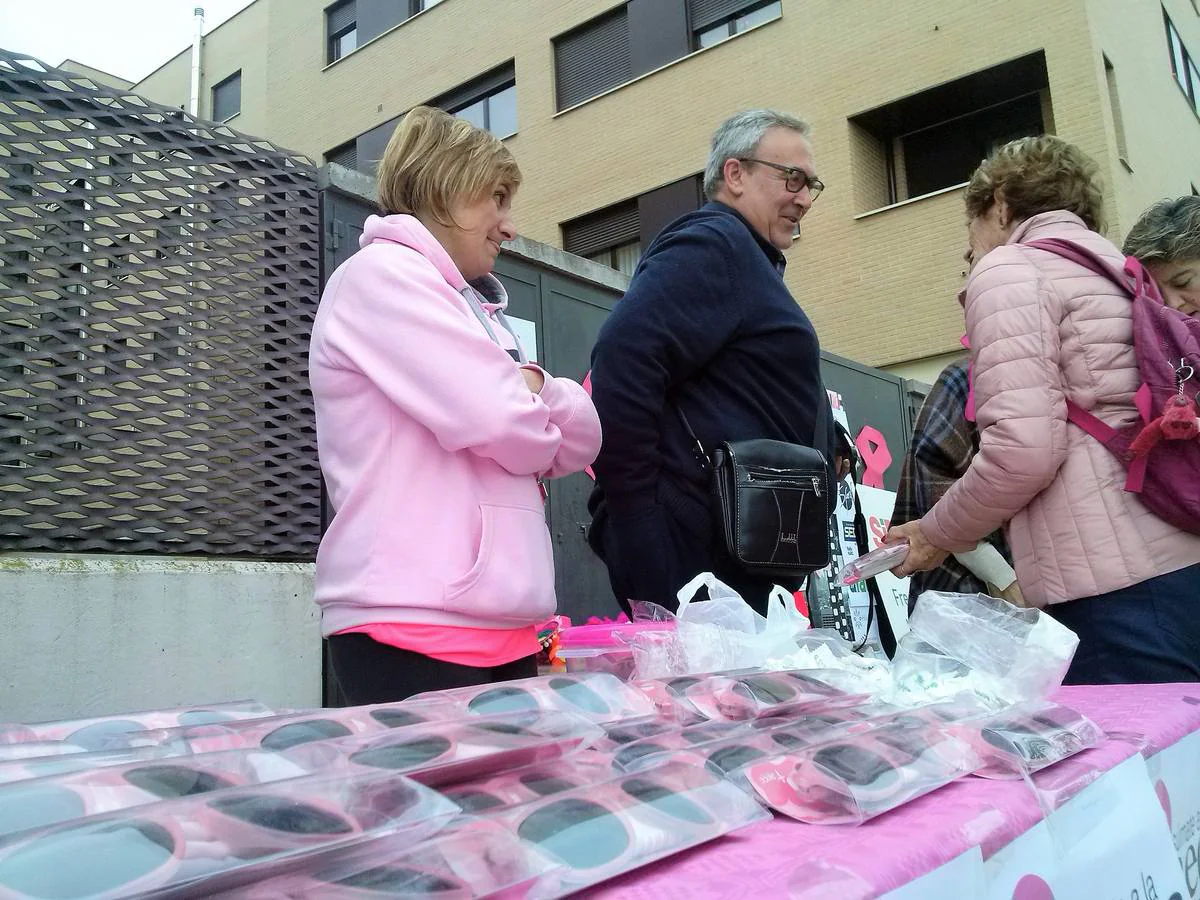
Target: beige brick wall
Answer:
[[881, 288]]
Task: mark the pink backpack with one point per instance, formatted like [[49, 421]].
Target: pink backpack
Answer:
[[1161, 451]]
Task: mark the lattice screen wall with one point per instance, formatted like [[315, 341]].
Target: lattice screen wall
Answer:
[[158, 278]]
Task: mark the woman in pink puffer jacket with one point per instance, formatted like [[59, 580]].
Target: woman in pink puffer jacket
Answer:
[[1043, 329]]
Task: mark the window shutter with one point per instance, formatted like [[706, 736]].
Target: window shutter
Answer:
[[227, 98], [593, 59], [345, 155], [341, 17], [600, 230], [703, 13]]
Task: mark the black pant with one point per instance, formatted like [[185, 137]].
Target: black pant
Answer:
[[370, 672], [1143, 634]]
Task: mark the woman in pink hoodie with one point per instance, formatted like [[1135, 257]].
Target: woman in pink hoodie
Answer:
[[434, 431], [1044, 330]]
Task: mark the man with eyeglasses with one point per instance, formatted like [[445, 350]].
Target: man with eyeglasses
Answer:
[[708, 328]]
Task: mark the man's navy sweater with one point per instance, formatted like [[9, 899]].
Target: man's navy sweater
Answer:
[[707, 326]]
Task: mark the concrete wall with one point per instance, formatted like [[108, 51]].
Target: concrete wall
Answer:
[[91, 635]]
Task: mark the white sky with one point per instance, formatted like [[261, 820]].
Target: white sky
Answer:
[[127, 38]]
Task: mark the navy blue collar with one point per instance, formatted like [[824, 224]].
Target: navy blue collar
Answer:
[[773, 253]]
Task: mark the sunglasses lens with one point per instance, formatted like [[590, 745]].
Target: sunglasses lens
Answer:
[[852, 764], [579, 695], [666, 801], [402, 756], [32, 806], [398, 881], [729, 758], [105, 735], [280, 814], [396, 718], [768, 690], [788, 740], [474, 801], [175, 781], [86, 861], [627, 756], [303, 733], [502, 700], [582, 834], [547, 785]]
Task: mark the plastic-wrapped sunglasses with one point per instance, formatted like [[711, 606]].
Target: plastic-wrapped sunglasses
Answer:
[[599, 696], [605, 829], [856, 777], [529, 783], [471, 858], [1029, 738], [216, 840]]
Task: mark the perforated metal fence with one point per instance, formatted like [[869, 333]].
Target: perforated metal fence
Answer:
[[158, 278]]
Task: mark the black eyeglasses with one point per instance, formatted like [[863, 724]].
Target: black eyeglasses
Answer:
[[797, 179]]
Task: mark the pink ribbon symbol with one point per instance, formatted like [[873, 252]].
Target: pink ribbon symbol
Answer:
[[873, 449], [587, 386]]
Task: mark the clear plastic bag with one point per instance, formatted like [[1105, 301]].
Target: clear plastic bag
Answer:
[[613, 827], [598, 696], [1029, 737], [982, 644], [780, 693], [529, 783], [876, 562], [857, 777], [205, 843]]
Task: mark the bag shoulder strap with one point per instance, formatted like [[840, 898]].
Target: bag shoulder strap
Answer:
[[1084, 257], [820, 430]]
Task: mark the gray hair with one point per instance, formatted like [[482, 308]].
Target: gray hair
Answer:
[[1169, 231], [738, 136]]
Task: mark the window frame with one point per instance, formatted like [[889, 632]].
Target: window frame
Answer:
[[332, 37], [225, 83]]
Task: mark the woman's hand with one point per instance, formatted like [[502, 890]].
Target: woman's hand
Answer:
[[534, 380], [922, 555]]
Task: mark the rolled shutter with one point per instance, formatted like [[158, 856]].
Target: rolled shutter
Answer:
[[593, 59]]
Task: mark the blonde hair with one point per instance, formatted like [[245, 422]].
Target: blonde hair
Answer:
[[434, 159], [1169, 231], [1036, 175]]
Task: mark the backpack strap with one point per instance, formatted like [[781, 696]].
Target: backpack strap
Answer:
[[1135, 477], [1143, 285]]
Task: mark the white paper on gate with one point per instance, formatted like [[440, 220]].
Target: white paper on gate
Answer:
[[1109, 841], [960, 879], [1175, 774]]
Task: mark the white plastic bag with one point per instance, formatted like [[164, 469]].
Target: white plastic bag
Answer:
[[719, 634]]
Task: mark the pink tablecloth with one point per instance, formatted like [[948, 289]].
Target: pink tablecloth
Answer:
[[783, 858]]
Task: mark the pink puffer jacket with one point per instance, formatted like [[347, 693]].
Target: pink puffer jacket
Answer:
[[1043, 329]]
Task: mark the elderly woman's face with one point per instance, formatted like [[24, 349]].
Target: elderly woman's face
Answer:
[[987, 232], [1179, 282], [482, 226]]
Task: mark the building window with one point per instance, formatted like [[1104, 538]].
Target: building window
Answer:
[[1183, 65], [227, 98], [714, 21], [341, 29], [489, 101], [593, 58], [1114, 103], [423, 5], [935, 139], [616, 235]]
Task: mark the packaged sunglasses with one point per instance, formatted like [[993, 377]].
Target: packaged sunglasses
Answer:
[[529, 783], [618, 734], [773, 694], [201, 844], [619, 825], [440, 753], [598, 696], [878, 561], [107, 732], [686, 698], [1030, 737], [282, 732], [472, 858], [728, 753], [42, 766], [854, 778]]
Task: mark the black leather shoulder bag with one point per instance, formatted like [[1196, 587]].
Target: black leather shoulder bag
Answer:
[[772, 501]]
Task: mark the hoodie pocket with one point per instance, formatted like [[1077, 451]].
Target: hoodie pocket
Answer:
[[513, 577]]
